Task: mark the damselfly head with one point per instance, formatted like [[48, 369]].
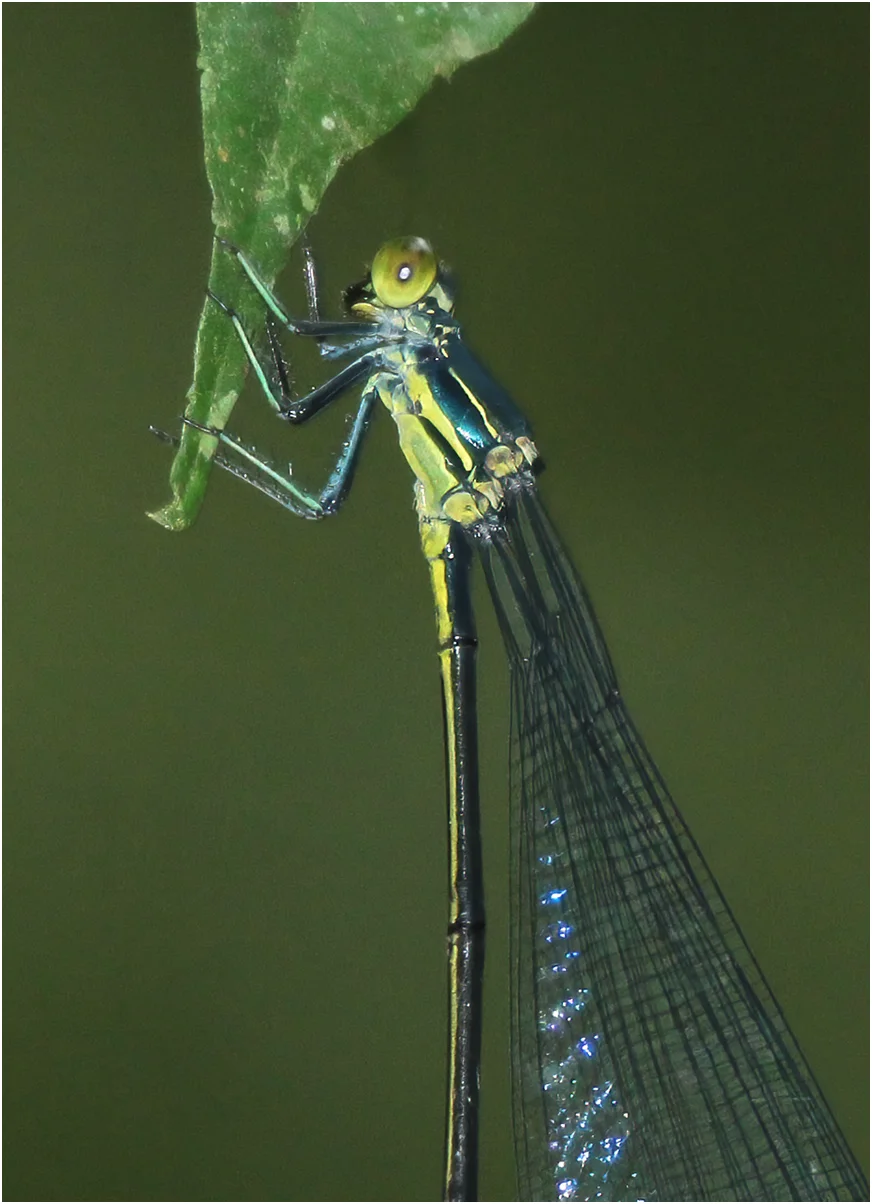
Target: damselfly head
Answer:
[[403, 272]]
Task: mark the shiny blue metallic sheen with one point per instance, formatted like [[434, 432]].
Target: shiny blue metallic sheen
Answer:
[[455, 404], [503, 412]]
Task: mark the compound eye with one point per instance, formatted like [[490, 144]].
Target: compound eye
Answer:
[[403, 271]]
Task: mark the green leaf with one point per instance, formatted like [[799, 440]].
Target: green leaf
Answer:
[[291, 91]]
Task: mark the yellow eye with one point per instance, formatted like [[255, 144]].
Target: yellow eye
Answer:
[[403, 271]]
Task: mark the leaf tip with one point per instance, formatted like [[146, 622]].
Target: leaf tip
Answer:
[[171, 517]]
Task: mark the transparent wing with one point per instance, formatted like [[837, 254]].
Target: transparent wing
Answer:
[[650, 1059]]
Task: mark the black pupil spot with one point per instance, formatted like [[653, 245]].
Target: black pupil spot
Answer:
[[404, 272]]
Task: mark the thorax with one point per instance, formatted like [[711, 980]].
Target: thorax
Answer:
[[460, 433]]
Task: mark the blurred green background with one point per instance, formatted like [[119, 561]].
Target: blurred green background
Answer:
[[225, 867]]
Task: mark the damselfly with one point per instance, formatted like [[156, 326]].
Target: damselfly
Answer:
[[650, 1060]]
